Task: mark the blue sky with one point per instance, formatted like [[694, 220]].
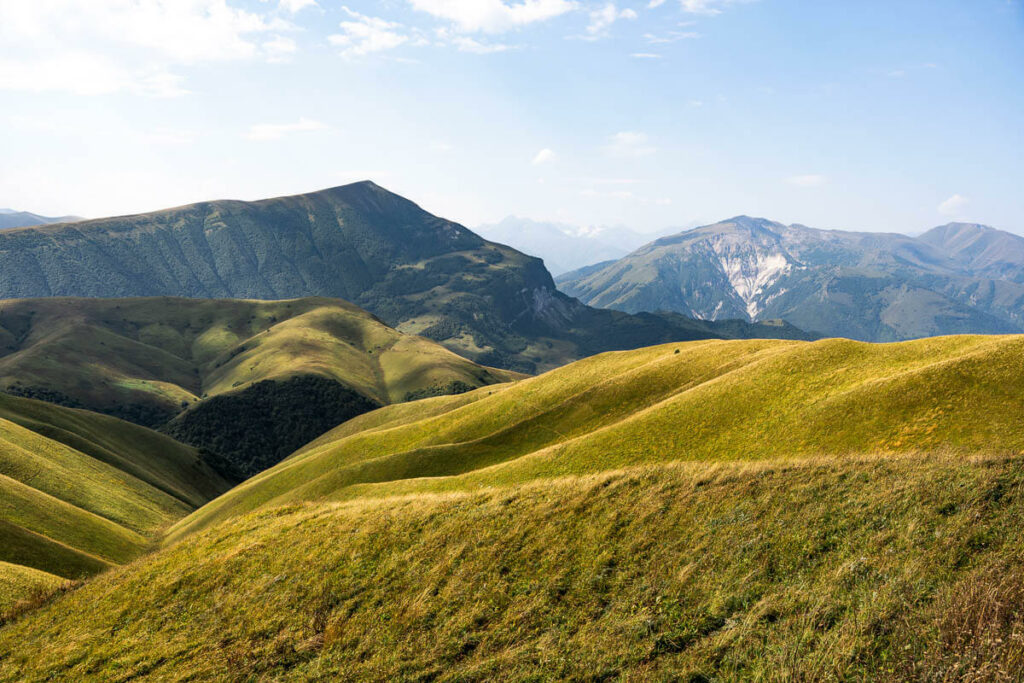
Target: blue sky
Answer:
[[895, 115]]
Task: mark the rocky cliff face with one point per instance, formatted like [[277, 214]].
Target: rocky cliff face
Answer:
[[878, 287]]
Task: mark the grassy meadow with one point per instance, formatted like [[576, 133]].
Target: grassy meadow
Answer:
[[706, 401], [81, 492], [713, 510], [869, 568]]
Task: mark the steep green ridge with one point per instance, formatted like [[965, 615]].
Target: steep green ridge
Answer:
[[417, 272], [893, 568], [954, 279], [176, 471], [80, 491], [707, 401], [153, 359]]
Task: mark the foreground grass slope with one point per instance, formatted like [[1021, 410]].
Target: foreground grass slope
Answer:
[[821, 568], [708, 401], [80, 492]]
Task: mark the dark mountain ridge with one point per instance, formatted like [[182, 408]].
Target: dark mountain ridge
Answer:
[[420, 273]]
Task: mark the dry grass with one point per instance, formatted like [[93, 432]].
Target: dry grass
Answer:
[[712, 401], [817, 569]]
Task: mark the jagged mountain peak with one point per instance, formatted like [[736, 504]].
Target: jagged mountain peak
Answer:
[[874, 286]]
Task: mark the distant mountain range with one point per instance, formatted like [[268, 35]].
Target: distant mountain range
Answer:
[[565, 247], [9, 218], [417, 272], [957, 278]]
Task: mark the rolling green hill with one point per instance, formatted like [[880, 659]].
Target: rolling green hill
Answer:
[[417, 272], [82, 491], [712, 401], [719, 510], [248, 380]]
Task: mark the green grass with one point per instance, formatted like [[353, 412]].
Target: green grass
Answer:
[[80, 492], [711, 401], [717, 510], [176, 471], [150, 357], [18, 584], [873, 568]]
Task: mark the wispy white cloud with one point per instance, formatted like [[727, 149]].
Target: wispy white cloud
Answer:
[[467, 44], [543, 157], [645, 55], [361, 35], [86, 73], [670, 37], [493, 16], [276, 131], [293, 6], [708, 7], [953, 206], [808, 180], [630, 144], [107, 46], [602, 18]]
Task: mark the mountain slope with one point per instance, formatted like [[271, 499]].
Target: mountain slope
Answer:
[[713, 400], [869, 286], [248, 380], [417, 272], [842, 510], [995, 253], [20, 219], [83, 491]]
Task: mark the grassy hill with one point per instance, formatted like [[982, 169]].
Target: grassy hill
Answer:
[[417, 272], [895, 568], [735, 510], [19, 584], [710, 401], [82, 492], [250, 380]]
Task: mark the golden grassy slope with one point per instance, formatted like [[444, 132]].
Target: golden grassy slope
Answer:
[[737, 510], [876, 568], [711, 401], [167, 352], [81, 491], [18, 584]]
